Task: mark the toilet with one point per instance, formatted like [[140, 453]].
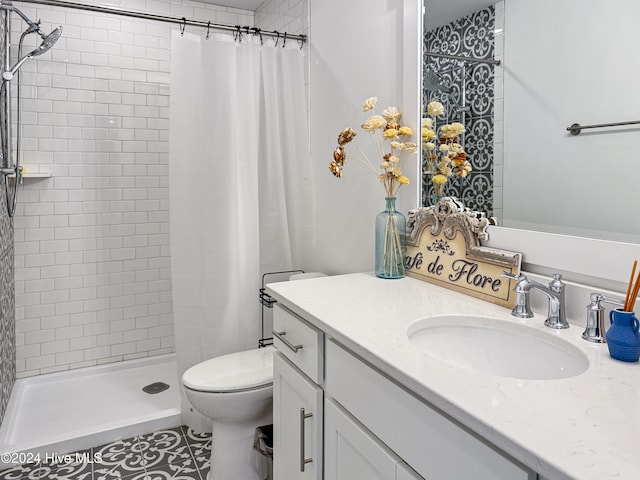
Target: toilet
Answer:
[[236, 392]]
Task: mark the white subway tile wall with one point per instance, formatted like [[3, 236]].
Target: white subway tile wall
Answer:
[[92, 276], [291, 16]]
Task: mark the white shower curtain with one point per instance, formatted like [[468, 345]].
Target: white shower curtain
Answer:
[[238, 179]]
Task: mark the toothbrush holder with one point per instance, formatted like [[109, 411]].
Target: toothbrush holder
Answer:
[[623, 338]]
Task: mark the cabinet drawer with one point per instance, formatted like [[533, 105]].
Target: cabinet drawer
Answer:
[[299, 341], [436, 447]]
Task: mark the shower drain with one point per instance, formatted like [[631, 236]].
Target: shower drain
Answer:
[[156, 387]]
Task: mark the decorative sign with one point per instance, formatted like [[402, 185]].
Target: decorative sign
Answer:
[[443, 248]]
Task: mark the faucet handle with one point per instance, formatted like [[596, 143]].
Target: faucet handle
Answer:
[[598, 298], [557, 285], [513, 276], [594, 331], [522, 307]]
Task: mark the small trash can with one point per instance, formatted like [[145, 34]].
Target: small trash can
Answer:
[[263, 444]]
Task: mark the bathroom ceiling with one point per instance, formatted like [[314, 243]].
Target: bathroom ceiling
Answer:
[[243, 4]]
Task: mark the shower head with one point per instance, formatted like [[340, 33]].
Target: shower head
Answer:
[[48, 41], [435, 82]]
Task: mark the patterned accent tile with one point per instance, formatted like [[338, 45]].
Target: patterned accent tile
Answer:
[[7, 327], [466, 91]]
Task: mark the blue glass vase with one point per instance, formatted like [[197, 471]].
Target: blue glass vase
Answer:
[[622, 337], [391, 250]]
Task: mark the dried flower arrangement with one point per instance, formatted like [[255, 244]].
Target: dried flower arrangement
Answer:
[[385, 127], [445, 155]]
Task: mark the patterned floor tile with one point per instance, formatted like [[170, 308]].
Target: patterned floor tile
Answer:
[[163, 447], [66, 471], [172, 471], [200, 446], [119, 460], [171, 454], [28, 471]]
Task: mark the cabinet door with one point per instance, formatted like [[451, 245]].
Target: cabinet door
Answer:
[[351, 452], [297, 421]]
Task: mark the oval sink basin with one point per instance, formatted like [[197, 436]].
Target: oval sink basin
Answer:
[[497, 347]]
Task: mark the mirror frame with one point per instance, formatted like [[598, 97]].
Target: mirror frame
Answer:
[[600, 263]]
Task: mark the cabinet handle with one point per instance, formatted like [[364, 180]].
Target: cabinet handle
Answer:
[[280, 336], [303, 460]]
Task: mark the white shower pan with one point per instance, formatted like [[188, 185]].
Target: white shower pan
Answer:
[[70, 411]]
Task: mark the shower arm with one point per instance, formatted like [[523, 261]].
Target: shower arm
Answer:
[[11, 8]]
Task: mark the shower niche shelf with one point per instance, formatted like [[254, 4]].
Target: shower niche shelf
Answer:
[[33, 175]]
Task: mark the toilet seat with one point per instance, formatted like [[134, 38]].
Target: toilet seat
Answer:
[[235, 372]]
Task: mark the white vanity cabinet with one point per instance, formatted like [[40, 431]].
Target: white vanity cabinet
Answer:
[[351, 451], [297, 399], [369, 426], [436, 447]]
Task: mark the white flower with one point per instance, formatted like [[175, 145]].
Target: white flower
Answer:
[[457, 128], [444, 148], [427, 123], [410, 147], [374, 123], [435, 109], [392, 115], [430, 146], [369, 103], [394, 159]]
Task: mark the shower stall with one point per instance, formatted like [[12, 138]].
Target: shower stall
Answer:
[[86, 258]]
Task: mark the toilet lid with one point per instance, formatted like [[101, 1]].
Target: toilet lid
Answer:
[[238, 371]]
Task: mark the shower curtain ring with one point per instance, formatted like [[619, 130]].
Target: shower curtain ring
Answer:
[[208, 28], [183, 25], [257, 31], [284, 43], [277, 37]]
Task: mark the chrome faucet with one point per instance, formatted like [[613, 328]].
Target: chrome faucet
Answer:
[[556, 318]]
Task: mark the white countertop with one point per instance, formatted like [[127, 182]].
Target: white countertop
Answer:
[[584, 427]]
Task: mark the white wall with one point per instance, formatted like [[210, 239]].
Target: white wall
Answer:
[[567, 62], [359, 49], [93, 281]]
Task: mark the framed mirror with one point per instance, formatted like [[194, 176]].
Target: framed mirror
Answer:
[[561, 63]]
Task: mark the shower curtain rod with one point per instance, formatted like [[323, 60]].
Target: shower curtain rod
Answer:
[[463, 58], [182, 21]]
